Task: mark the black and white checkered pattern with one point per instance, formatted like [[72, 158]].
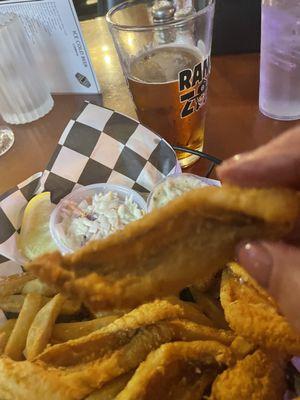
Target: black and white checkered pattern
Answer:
[[98, 145], [101, 145]]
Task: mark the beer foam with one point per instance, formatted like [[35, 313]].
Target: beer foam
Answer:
[[163, 64]]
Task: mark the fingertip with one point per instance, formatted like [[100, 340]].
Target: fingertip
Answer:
[[257, 261], [228, 167]]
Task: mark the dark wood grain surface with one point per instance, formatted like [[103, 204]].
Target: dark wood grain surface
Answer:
[[234, 123]]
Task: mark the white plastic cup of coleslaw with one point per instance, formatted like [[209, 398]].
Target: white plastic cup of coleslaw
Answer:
[[174, 186], [94, 212]]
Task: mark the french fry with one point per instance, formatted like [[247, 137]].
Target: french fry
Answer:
[[36, 286], [66, 331], [111, 389], [13, 304], [14, 284], [5, 331], [209, 307], [41, 327], [17, 340]]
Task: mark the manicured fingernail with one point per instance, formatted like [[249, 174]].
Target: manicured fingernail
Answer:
[[256, 259]]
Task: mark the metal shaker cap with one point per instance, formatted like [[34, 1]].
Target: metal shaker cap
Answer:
[[163, 11]]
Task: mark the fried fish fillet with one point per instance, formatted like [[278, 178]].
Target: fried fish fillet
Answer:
[[170, 248], [86, 376], [252, 314], [174, 366], [41, 380], [121, 353], [105, 341], [24, 380], [190, 386], [256, 377], [110, 390], [120, 331]]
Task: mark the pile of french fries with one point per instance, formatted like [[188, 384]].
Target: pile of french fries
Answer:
[[76, 354], [37, 311], [34, 309]]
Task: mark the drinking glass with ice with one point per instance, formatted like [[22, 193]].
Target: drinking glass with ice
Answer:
[[279, 95]]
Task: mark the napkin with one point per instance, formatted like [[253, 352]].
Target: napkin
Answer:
[[97, 145]]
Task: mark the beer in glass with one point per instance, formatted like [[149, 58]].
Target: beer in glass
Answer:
[[167, 66]]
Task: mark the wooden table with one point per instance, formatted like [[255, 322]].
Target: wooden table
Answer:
[[234, 123]]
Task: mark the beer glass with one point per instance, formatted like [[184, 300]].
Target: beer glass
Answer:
[[165, 55]]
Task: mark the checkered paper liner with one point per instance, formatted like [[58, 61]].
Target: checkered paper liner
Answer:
[[98, 145]]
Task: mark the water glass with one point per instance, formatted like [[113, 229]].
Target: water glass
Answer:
[[24, 95], [279, 95]]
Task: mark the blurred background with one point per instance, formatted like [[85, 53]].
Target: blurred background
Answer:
[[236, 28]]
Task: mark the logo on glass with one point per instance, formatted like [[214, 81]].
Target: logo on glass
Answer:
[[193, 87]]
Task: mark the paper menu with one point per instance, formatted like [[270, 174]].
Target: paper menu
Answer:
[[61, 53]]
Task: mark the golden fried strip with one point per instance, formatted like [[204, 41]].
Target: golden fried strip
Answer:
[[86, 349], [209, 307], [191, 387], [41, 328], [84, 378], [241, 347], [129, 351], [14, 303], [5, 331], [119, 332], [190, 331], [111, 389], [72, 330], [256, 377], [244, 277], [17, 340], [36, 286], [24, 380], [115, 311], [190, 311], [14, 283], [154, 378], [94, 374], [146, 259], [251, 314]]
